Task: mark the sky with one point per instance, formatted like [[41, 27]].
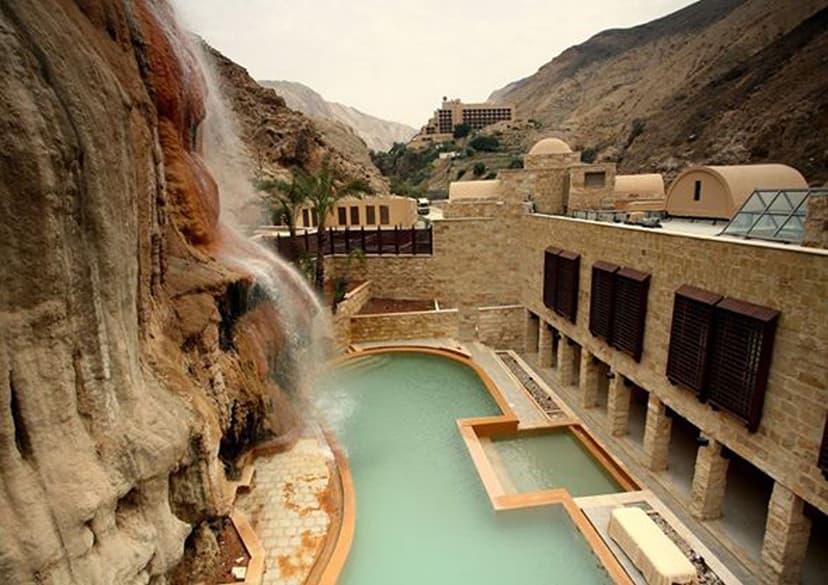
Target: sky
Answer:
[[397, 60]]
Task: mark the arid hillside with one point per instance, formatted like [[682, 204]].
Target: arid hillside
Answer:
[[377, 133], [277, 137], [720, 81]]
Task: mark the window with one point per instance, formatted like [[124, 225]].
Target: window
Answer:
[[384, 215], [601, 299], [306, 218], [697, 191], [370, 215], [823, 451], [629, 311], [722, 350], [595, 179], [689, 335], [560, 286], [550, 269], [342, 218], [354, 215], [618, 306], [740, 355]]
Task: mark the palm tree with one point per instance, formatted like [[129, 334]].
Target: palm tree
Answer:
[[284, 199], [323, 191]]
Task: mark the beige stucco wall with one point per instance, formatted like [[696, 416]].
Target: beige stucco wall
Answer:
[[715, 201], [459, 190], [402, 211], [414, 325], [794, 282]]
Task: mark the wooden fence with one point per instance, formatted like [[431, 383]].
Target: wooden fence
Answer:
[[370, 241]]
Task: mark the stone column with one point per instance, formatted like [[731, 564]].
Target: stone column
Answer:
[[618, 405], [656, 435], [566, 369], [544, 346], [588, 380], [786, 538], [709, 482], [531, 332]]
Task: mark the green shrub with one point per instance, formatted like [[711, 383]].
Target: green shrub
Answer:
[[588, 154], [485, 143], [478, 169], [461, 130], [516, 163], [491, 175]]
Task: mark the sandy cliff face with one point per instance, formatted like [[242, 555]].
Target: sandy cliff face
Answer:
[[721, 81], [132, 362]]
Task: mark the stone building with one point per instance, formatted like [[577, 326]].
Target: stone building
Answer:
[[702, 357]]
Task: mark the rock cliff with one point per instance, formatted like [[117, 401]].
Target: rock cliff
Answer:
[[136, 362], [720, 81], [377, 133]]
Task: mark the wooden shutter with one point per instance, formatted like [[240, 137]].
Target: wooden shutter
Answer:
[[550, 270], [823, 451], [740, 354], [601, 298], [566, 291], [690, 336], [630, 311]]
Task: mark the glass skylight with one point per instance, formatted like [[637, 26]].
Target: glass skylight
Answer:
[[776, 215]]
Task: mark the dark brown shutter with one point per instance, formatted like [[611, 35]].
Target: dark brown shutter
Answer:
[[823, 451], [740, 353], [630, 311], [550, 270], [690, 336], [566, 292], [601, 298]]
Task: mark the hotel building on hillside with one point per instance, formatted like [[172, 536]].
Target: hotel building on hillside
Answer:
[[452, 113]]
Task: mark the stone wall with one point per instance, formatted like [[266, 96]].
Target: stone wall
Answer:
[[414, 325], [473, 208], [546, 188], [351, 305], [582, 196], [502, 327], [791, 280], [816, 222]]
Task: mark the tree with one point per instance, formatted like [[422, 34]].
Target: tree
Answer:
[[485, 143], [461, 130], [478, 169], [323, 191], [284, 199]]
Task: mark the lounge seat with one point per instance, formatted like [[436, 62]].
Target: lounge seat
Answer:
[[650, 550]]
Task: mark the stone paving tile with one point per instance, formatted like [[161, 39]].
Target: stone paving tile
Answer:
[[290, 509]]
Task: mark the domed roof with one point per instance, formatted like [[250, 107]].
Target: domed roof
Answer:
[[550, 146]]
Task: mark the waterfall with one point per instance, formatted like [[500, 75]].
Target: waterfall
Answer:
[[302, 322]]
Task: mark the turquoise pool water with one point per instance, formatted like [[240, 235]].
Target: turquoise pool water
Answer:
[[553, 460], [423, 516]]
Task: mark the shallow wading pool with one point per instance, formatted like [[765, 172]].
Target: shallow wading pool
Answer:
[[422, 514]]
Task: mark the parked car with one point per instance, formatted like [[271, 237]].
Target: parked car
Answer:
[[423, 206]]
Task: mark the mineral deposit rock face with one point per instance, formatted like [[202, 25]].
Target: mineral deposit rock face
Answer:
[[126, 366]]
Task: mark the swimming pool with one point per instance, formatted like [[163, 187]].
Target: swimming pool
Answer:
[[422, 514], [552, 459]]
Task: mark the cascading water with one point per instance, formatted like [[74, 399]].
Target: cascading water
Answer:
[[301, 321]]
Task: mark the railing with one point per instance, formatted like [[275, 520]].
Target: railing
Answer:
[[370, 241]]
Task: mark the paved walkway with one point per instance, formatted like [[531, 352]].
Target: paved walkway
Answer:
[[290, 509], [525, 409]]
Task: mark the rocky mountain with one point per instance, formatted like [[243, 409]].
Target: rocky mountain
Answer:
[[720, 81], [140, 347], [377, 133], [276, 137]]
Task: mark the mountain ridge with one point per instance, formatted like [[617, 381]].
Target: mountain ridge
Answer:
[[683, 89], [378, 133]]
